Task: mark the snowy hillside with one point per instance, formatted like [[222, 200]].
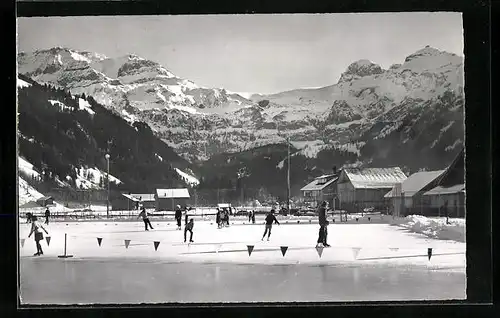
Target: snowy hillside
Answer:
[[202, 122]]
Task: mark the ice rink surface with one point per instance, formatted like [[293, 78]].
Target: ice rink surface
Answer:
[[365, 262]]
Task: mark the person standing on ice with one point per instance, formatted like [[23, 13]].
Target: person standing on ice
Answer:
[[270, 219], [29, 217], [218, 218], [189, 227], [35, 228], [323, 223], [249, 216], [253, 217], [185, 216], [178, 216], [47, 215], [145, 219]]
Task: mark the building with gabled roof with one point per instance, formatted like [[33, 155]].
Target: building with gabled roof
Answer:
[[168, 199], [448, 195], [365, 188], [406, 197], [320, 189], [133, 201]]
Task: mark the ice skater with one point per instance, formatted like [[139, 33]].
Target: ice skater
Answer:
[[35, 228], [145, 219], [47, 215], [29, 217], [218, 219], [189, 227], [323, 223], [253, 217], [270, 219], [178, 216], [227, 217], [185, 216], [249, 216]]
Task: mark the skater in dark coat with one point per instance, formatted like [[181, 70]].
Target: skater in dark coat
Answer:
[[29, 217], [189, 227], [178, 216], [218, 218], [270, 219], [47, 215], [145, 219], [249, 216], [227, 217], [253, 217], [35, 228], [323, 223]]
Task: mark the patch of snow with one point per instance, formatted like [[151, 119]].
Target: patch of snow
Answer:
[[59, 60], [189, 179], [21, 83], [27, 167], [85, 182], [454, 145], [158, 156], [78, 57], [58, 103], [445, 128], [84, 105]]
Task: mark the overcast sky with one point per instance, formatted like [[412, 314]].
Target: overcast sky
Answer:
[[252, 53]]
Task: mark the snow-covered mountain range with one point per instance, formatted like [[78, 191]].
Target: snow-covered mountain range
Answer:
[[422, 94]]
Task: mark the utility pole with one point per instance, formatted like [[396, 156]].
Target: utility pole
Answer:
[[288, 177], [107, 177]]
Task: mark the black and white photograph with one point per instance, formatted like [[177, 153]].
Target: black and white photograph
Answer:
[[241, 158]]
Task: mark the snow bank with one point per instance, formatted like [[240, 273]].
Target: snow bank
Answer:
[[434, 227]]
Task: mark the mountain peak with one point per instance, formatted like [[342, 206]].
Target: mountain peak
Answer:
[[426, 51], [359, 69]]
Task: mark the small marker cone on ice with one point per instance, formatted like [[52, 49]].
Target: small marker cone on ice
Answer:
[[127, 242], [429, 253], [250, 249], [319, 249], [283, 250], [99, 240], [47, 238], [22, 242], [156, 243], [355, 252]]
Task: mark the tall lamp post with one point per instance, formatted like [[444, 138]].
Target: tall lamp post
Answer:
[[107, 177]]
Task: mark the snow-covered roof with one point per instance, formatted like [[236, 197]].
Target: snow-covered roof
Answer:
[[144, 196], [135, 197], [172, 193], [224, 205], [446, 190], [313, 185], [374, 178], [415, 183]]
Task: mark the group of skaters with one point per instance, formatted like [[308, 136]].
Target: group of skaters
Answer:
[[222, 217], [222, 220], [37, 228], [188, 225]]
